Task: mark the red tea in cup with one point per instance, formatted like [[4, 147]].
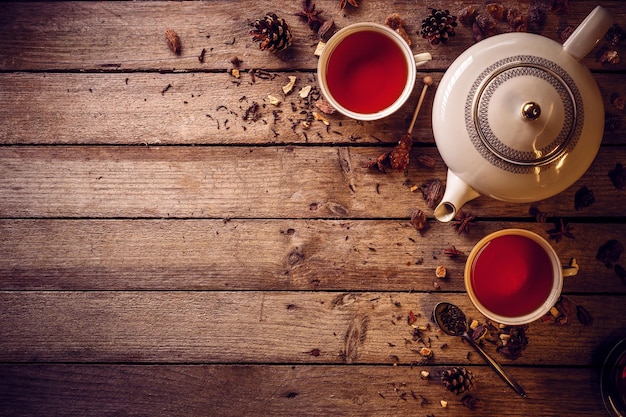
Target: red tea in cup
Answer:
[[513, 276], [367, 72]]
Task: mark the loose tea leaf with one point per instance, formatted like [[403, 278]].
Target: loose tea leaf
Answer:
[[583, 198], [583, 316], [610, 252], [173, 41], [618, 176]]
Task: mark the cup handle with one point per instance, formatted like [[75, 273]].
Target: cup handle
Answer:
[[421, 59], [570, 269]]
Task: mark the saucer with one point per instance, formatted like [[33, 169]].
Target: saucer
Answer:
[[613, 380]]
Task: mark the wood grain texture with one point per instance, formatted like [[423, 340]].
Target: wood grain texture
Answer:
[[236, 390], [248, 182], [322, 255], [173, 244], [269, 327], [137, 108], [121, 36]]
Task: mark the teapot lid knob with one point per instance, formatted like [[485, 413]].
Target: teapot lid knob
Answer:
[[531, 110]]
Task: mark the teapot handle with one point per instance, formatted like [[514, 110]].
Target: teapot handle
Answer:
[[588, 33]]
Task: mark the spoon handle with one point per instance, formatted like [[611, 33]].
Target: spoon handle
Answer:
[[496, 366]]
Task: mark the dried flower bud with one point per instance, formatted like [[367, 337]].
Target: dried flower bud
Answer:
[[467, 14], [418, 219], [497, 11], [173, 41], [394, 21], [610, 57], [326, 30], [617, 100]]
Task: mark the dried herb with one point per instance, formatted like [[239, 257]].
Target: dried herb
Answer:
[[514, 342], [453, 252], [612, 122], [411, 318], [618, 176], [344, 3], [463, 222], [399, 156], [173, 41], [467, 14], [609, 56], [583, 316], [610, 252], [379, 163], [471, 402], [560, 313], [427, 161], [537, 15], [615, 35], [497, 10], [418, 219], [618, 101], [432, 191], [310, 15], [559, 6], [583, 198], [561, 229], [483, 27], [539, 215], [621, 272], [201, 56], [394, 21], [453, 318]]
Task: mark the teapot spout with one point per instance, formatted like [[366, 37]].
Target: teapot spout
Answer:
[[457, 193]]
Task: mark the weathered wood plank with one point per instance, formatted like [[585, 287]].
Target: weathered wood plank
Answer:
[[120, 36], [207, 108], [245, 390], [247, 182], [269, 327], [357, 255]]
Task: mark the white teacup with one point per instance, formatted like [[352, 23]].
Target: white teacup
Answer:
[[367, 71], [514, 276]]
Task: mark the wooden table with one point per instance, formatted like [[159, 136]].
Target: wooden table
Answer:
[[173, 244]]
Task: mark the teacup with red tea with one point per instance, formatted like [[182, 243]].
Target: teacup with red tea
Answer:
[[514, 276], [367, 71]]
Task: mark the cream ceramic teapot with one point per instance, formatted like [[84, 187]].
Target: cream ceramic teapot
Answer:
[[518, 118]]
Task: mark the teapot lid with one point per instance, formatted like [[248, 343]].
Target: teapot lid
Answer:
[[522, 112]]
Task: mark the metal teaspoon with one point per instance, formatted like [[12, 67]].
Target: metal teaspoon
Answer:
[[459, 328]]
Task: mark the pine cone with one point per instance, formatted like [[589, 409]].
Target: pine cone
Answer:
[[439, 26], [272, 32], [457, 379]]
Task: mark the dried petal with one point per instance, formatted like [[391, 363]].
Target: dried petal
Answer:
[[418, 219], [497, 11], [583, 316], [173, 41], [610, 56], [433, 192], [583, 198], [610, 252], [467, 14], [618, 176], [394, 21], [617, 100], [326, 30], [615, 35], [324, 106], [559, 6]]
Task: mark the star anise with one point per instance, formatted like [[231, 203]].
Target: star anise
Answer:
[[463, 222], [561, 229], [379, 163], [310, 15], [344, 3]]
